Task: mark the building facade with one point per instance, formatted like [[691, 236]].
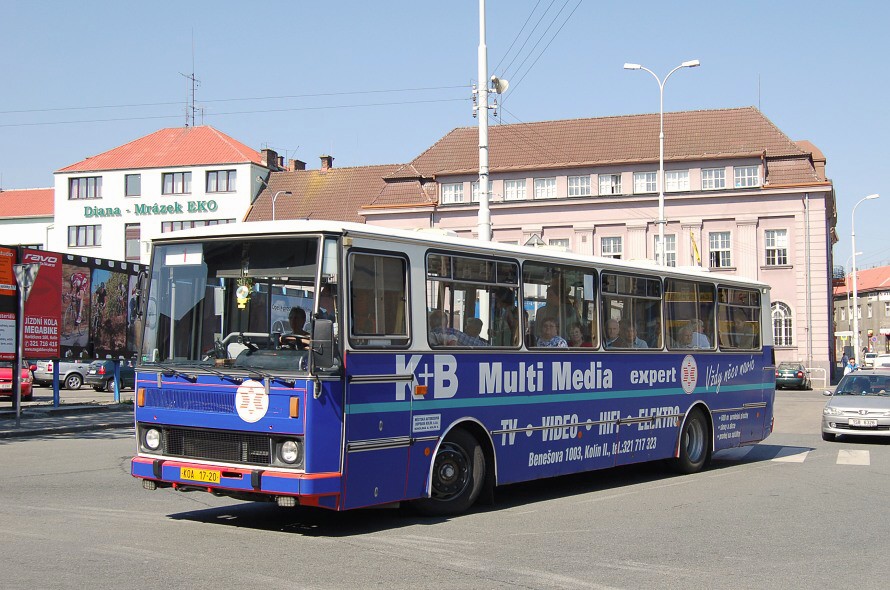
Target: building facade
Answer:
[[741, 198], [26, 217], [873, 298], [111, 205]]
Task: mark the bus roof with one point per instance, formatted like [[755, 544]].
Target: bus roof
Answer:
[[438, 238]]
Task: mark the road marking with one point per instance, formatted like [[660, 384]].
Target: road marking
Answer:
[[791, 455], [845, 457]]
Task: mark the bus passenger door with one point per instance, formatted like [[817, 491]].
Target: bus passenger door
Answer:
[[377, 436]]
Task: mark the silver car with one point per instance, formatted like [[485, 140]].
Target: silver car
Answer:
[[860, 405]]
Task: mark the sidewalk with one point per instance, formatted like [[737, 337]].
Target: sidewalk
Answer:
[[41, 418]]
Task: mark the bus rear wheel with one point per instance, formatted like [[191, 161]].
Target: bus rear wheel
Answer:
[[694, 444], [458, 476]]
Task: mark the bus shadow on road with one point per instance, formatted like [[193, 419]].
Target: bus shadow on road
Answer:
[[527, 495]]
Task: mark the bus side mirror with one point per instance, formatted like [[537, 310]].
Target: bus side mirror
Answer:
[[322, 344]]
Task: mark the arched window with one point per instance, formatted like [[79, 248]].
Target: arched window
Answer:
[[781, 324]]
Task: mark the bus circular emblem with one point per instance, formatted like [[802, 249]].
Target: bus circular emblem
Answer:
[[251, 401], [688, 374]]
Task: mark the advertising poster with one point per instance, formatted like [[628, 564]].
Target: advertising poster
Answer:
[[7, 336], [108, 312], [7, 279], [41, 331], [75, 306]]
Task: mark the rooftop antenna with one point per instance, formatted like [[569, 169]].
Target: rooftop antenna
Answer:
[[190, 109]]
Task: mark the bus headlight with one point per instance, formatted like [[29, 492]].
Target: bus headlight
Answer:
[[291, 452], [152, 439]]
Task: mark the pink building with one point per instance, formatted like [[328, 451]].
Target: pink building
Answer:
[[740, 198]]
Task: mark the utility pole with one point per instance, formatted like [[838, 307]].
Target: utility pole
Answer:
[[484, 224]]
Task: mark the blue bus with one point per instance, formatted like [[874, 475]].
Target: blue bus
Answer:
[[344, 365]]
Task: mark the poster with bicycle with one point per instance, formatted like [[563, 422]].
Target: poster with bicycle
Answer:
[[108, 312], [80, 307]]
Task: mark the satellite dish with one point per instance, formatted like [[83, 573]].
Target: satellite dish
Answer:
[[498, 85]]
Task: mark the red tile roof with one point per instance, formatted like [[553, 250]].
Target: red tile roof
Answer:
[[335, 194], [630, 139], [27, 202], [871, 279], [689, 135], [177, 146]]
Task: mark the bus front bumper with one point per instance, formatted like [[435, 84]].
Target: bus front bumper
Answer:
[[309, 489]]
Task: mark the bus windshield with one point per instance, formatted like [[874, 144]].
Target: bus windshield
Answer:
[[244, 303]]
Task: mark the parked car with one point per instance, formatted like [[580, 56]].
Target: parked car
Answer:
[[860, 405], [868, 359], [792, 375], [6, 380], [100, 375], [71, 373]]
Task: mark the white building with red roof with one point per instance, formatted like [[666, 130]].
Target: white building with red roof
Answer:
[[26, 216], [112, 204]]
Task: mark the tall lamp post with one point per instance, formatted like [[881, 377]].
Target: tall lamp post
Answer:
[[855, 290], [693, 63], [275, 198], [849, 288]]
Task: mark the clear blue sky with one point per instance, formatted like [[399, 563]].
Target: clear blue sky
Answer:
[[817, 69]]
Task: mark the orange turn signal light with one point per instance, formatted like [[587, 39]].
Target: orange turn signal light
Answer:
[[140, 397], [420, 389], [294, 407]]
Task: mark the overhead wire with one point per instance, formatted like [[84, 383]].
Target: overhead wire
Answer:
[[516, 38], [248, 112], [555, 35], [282, 97]]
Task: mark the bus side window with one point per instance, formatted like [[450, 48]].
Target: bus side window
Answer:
[[378, 298]]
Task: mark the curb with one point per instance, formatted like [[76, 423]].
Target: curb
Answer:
[[38, 421], [25, 432]]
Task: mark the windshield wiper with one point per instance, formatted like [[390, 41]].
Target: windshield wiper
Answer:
[[233, 378], [172, 372], [269, 376]]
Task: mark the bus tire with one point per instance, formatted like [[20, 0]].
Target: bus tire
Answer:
[[458, 476], [694, 448]]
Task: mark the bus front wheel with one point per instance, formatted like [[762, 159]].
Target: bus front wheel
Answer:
[[694, 444], [458, 475]]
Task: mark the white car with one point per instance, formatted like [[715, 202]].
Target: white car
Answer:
[[859, 406], [869, 359], [882, 360]]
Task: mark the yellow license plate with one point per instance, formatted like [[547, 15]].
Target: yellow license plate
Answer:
[[202, 475]]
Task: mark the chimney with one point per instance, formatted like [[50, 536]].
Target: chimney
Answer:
[[296, 165], [270, 159], [327, 162]]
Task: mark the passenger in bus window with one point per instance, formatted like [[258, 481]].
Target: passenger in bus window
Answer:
[[577, 338], [472, 329], [612, 332], [699, 339], [628, 336], [558, 308], [549, 337], [440, 334], [742, 332], [684, 337]]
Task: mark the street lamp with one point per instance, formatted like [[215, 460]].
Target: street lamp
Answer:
[[855, 291], [849, 288], [693, 63], [275, 198]]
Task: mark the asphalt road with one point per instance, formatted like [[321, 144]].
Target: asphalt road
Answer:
[[792, 512]]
